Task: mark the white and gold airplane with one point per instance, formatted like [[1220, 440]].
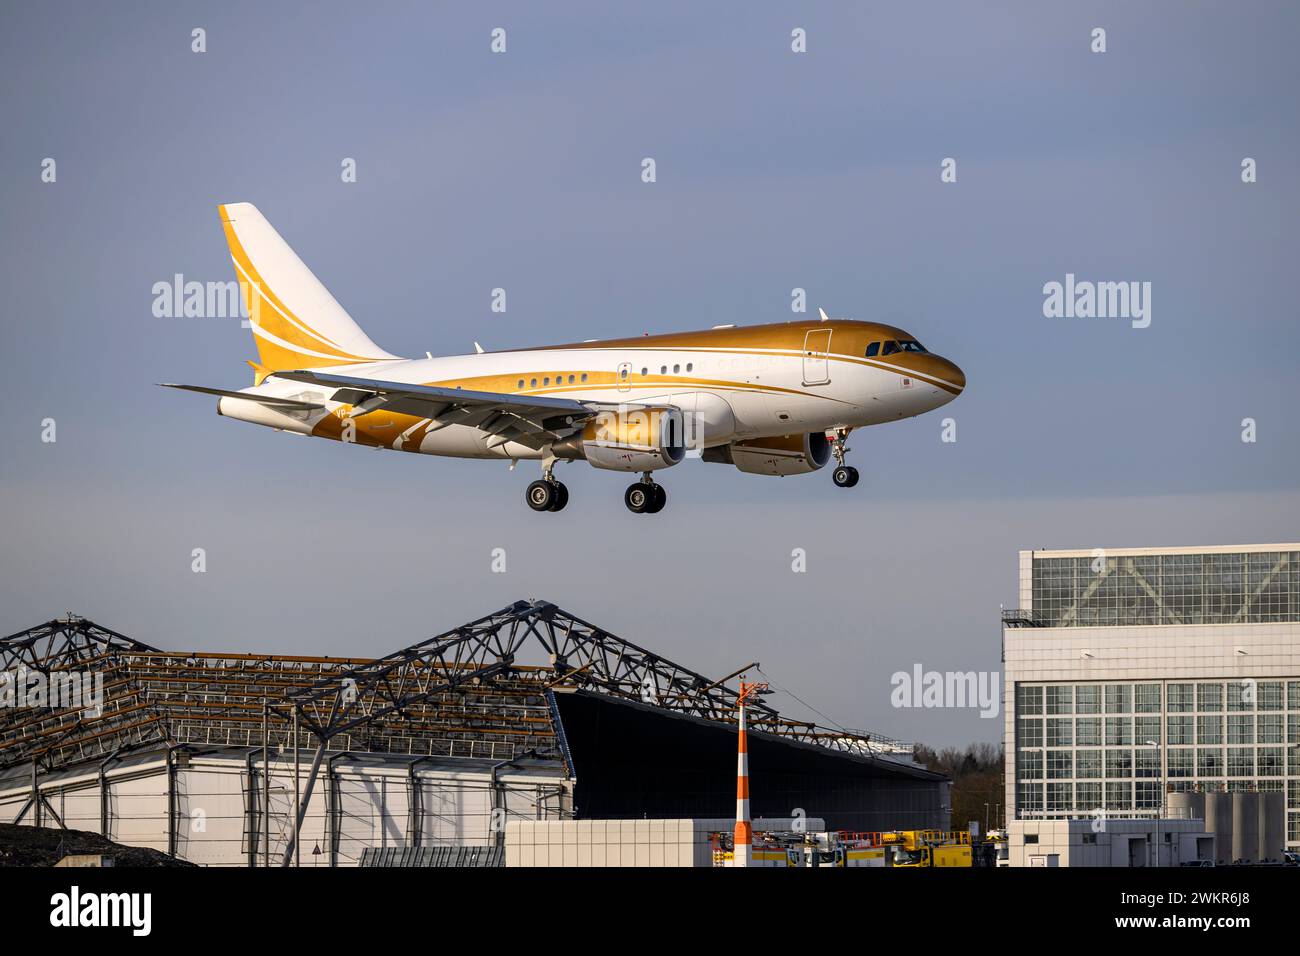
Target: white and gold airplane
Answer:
[[774, 399]]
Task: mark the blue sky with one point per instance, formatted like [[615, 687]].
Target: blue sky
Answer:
[[522, 170]]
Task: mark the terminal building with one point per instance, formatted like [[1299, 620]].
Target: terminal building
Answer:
[[1134, 677], [430, 755]]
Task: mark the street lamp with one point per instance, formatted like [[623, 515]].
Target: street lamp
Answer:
[[1152, 743]]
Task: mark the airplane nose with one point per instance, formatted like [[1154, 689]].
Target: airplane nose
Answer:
[[953, 375]]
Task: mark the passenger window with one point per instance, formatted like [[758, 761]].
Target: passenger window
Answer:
[[873, 349], [584, 376], [689, 366], [644, 370], [663, 369], [570, 379], [676, 369], [521, 383], [533, 383]]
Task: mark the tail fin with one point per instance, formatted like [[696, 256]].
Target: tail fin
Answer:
[[296, 322]]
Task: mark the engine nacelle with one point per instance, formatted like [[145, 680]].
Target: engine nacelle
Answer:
[[632, 439], [782, 455]]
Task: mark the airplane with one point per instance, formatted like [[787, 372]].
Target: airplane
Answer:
[[776, 399]]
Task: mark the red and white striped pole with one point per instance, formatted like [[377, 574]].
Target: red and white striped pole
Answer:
[[743, 836]]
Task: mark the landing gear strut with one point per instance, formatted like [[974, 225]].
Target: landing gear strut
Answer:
[[844, 476], [645, 497], [548, 494]]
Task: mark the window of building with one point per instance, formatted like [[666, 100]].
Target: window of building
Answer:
[[1180, 698], [1087, 699], [1031, 765], [1060, 699], [1119, 763], [1268, 729], [1119, 796], [1029, 700], [1087, 764], [1209, 762], [1119, 730], [1181, 762], [1179, 730], [1060, 764], [1147, 698], [1209, 729], [1209, 697], [1241, 762], [1087, 796], [1060, 732], [1241, 729], [1087, 731], [1119, 698]]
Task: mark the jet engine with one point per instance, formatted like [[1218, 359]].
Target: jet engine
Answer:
[[781, 455], [644, 438]]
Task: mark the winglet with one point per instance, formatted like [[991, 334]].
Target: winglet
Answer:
[[478, 349], [825, 317], [260, 372]]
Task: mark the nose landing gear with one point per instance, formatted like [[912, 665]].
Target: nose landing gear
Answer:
[[844, 476], [645, 497]]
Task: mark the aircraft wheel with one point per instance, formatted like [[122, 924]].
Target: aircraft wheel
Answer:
[[542, 495], [561, 496], [659, 498], [639, 497], [845, 476]]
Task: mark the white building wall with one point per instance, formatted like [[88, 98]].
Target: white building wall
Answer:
[[1164, 654], [212, 796]]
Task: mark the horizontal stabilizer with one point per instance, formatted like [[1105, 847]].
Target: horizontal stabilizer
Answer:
[[270, 400]]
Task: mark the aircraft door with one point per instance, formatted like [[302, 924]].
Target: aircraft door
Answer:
[[816, 365]]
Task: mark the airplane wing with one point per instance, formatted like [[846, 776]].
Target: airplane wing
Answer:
[[270, 400], [534, 421]]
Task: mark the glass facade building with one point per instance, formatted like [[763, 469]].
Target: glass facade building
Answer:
[[1112, 590], [1132, 674]]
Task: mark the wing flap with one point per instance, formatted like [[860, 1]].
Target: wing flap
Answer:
[[534, 421]]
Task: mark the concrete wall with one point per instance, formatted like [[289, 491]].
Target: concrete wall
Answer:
[[623, 843], [1122, 843]]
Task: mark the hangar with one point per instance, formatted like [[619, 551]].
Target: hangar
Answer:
[[423, 755]]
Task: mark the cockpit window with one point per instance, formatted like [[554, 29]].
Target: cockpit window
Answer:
[[906, 345], [873, 349]]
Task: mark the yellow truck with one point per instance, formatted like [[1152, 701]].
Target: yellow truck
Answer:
[[914, 848]]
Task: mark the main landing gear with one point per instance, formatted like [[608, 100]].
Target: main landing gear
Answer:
[[844, 476], [645, 497], [548, 494]]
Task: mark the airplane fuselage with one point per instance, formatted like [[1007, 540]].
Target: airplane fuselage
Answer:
[[736, 383]]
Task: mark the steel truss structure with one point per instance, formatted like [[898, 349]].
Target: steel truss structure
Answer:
[[482, 689]]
